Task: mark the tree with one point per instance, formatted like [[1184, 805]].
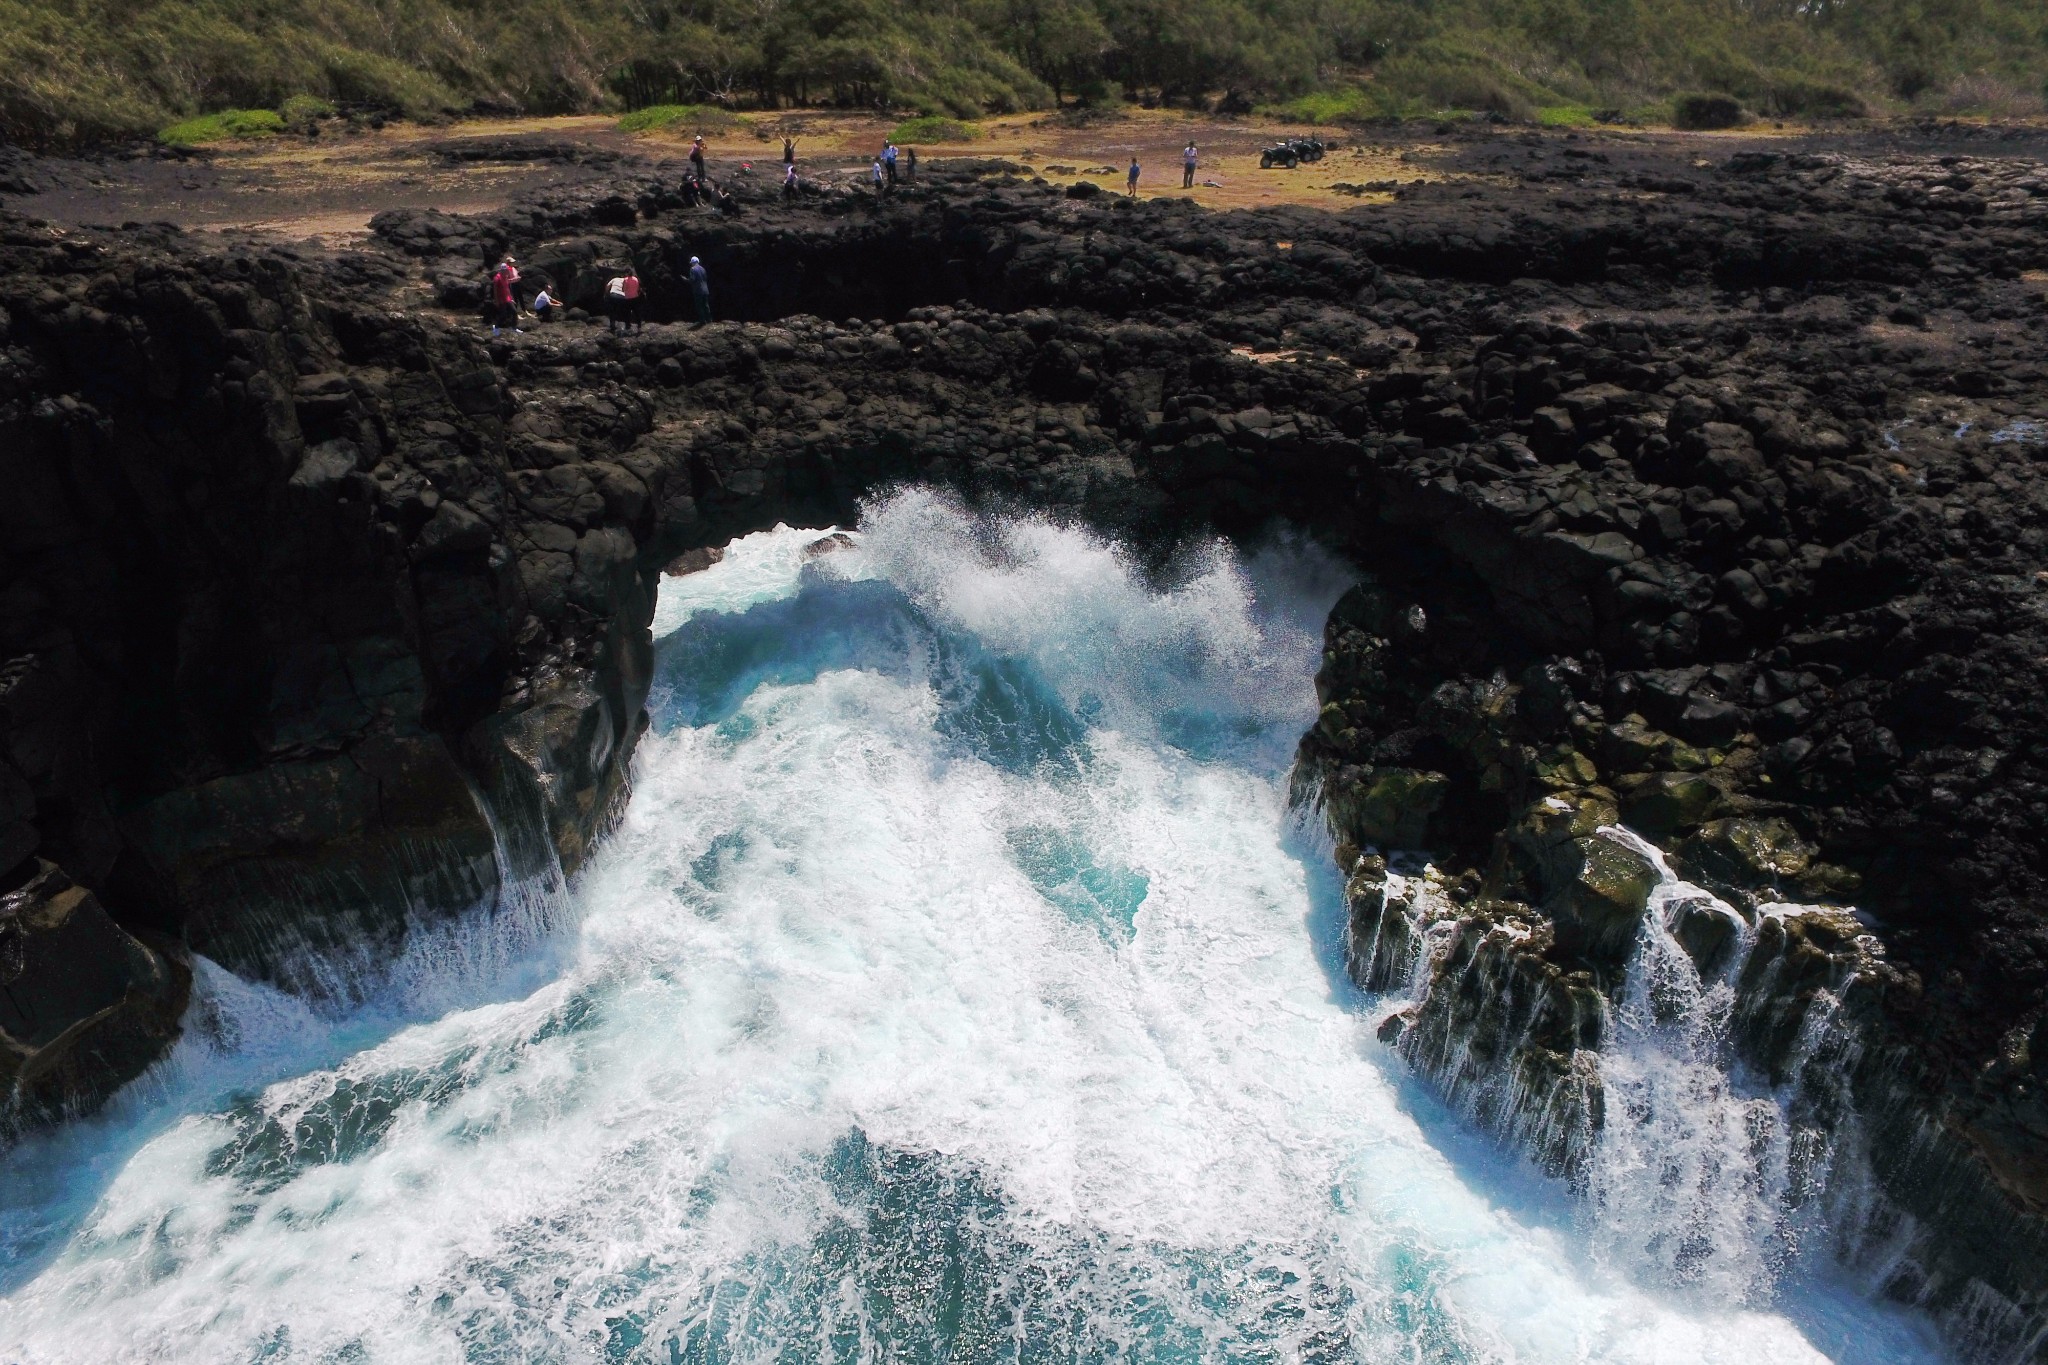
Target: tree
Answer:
[[1061, 42]]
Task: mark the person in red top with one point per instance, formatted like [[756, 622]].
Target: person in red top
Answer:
[[632, 292], [504, 306], [622, 300]]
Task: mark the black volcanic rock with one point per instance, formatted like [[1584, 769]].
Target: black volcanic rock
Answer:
[[315, 607], [84, 1005]]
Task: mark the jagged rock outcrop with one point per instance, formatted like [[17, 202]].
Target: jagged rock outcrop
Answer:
[[265, 606], [84, 1005]]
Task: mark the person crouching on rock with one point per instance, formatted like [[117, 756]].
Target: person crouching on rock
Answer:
[[504, 307], [1131, 180], [700, 290], [544, 305]]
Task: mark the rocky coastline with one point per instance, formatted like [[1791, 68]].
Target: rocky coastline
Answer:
[[1701, 499]]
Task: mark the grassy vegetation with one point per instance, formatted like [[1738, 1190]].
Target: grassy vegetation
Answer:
[[933, 128], [76, 70], [303, 111], [694, 118], [1566, 116], [1349, 104], [225, 126]]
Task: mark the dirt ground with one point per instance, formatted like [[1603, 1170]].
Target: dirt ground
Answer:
[[328, 187]]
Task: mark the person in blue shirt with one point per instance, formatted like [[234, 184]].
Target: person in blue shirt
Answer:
[[700, 290], [889, 161], [1131, 180]]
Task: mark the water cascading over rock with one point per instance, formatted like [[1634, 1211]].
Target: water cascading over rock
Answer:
[[1694, 1067]]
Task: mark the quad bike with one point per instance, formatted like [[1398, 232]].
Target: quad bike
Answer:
[[1291, 153]]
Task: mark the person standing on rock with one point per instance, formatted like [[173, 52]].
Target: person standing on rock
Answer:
[[1131, 180], [631, 292], [504, 307], [875, 176], [911, 174], [615, 304], [697, 158], [789, 181], [700, 290], [1187, 167], [889, 162], [789, 152]]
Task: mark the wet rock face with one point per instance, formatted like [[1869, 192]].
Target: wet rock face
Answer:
[[1510, 1036], [273, 584], [84, 1005]]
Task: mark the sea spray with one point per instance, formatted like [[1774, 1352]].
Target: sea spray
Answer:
[[954, 987], [1701, 1175], [1706, 1161]]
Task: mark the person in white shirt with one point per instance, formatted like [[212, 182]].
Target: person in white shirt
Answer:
[[615, 304]]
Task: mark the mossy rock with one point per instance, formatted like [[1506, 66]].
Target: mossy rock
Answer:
[[1473, 717], [1708, 936], [1762, 859], [1380, 941], [1750, 855], [1563, 768], [1543, 836], [1663, 803], [1828, 882], [1386, 807], [1798, 959], [1599, 911], [1332, 724], [1631, 746]]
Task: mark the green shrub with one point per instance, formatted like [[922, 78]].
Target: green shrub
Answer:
[[302, 111], [1809, 99], [1446, 79], [695, 117], [932, 128], [1701, 112], [221, 127], [1351, 104], [1566, 116]]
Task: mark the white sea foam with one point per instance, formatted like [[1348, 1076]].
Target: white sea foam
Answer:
[[953, 989]]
